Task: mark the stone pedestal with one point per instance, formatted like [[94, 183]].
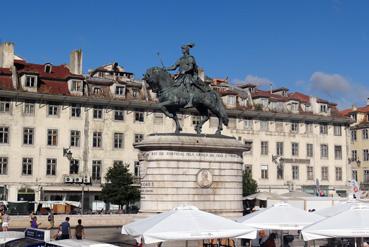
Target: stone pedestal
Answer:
[[186, 169]]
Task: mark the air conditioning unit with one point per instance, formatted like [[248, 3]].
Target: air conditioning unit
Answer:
[[86, 179], [68, 180], [78, 180]]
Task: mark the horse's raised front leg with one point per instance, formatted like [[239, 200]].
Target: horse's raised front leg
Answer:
[[164, 109]]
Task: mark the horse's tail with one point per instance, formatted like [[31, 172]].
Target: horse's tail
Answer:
[[222, 111]]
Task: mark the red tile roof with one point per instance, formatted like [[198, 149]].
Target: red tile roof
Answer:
[[6, 83], [58, 72], [53, 87], [299, 97]]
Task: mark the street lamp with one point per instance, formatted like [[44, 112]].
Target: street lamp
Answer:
[[67, 153]]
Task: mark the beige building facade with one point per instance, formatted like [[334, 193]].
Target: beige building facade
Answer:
[[47, 111]]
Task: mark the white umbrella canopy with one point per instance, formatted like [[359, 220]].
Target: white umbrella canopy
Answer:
[[296, 194], [281, 216], [263, 196], [353, 223], [186, 223], [336, 209]]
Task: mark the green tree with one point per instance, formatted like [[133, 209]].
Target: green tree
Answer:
[[120, 188], [249, 185]]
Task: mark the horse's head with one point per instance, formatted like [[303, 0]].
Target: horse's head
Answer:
[[157, 78]]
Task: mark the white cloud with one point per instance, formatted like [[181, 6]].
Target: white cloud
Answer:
[[329, 83], [258, 81]]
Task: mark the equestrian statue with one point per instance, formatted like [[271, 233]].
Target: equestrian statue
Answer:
[[186, 90]]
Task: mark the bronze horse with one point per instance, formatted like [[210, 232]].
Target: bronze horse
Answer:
[[174, 97]]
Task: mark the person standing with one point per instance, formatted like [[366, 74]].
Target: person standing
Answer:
[[50, 218], [65, 229], [80, 230], [5, 221], [34, 223]]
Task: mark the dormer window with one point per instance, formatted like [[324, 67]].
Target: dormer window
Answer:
[[76, 86], [120, 90], [31, 80], [48, 68], [294, 106], [97, 90], [323, 108], [135, 93], [231, 100]]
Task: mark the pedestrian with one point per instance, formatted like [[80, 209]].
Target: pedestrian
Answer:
[[34, 223], [50, 218], [270, 242], [65, 229], [5, 221], [80, 230], [261, 239]]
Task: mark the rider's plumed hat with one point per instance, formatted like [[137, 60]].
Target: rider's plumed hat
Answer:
[[189, 45]]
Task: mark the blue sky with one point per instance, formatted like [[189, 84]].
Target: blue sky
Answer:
[[319, 47]]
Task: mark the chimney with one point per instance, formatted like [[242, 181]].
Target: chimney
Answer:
[[201, 73], [6, 55], [75, 62]]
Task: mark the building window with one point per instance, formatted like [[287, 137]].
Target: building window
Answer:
[[295, 172], [310, 172], [324, 151], [295, 149], [97, 140], [354, 175], [28, 136], [365, 134], [264, 171], [4, 135], [279, 148], [248, 124], [264, 125], [137, 169], [294, 107], [50, 167], [4, 105], [73, 167], [52, 137], [353, 135], [324, 129], [324, 173], [29, 108], [294, 127], [231, 100], [53, 109], [3, 165], [134, 93], [353, 116], [158, 118], [338, 152], [354, 155], [27, 166], [98, 112], [75, 136], [309, 150], [308, 127], [96, 170], [337, 130], [366, 176], [76, 86], [323, 108], [264, 148], [196, 120], [338, 173], [139, 138], [48, 68], [139, 116], [118, 114], [118, 140], [97, 90], [119, 90], [365, 155], [76, 110], [31, 81]]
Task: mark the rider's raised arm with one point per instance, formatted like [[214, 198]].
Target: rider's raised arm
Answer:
[[173, 67]]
